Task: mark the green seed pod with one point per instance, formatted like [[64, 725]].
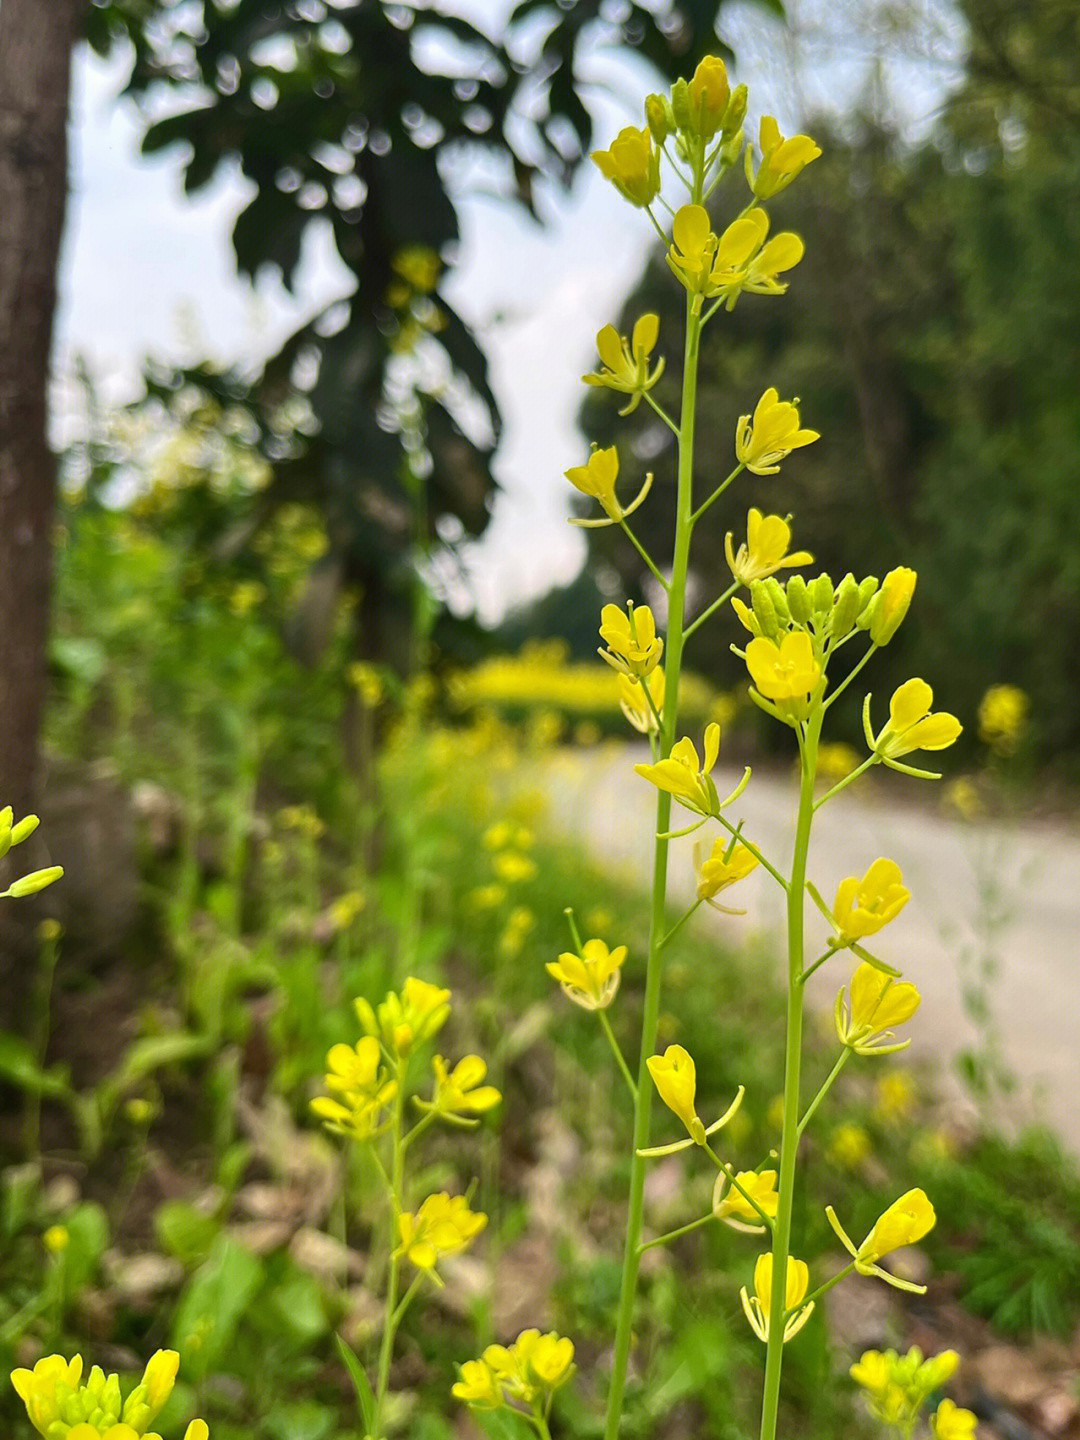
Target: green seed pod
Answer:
[[778, 598], [798, 599], [764, 610], [822, 594], [846, 610]]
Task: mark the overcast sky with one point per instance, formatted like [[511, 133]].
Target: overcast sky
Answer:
[[147, 271]]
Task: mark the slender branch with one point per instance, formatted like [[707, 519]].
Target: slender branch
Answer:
[[664, 416], [762, 861], [712, 609], [644, 554], [675, 1234], [727, 1170], [816, 965], [679, 924], [847, 780], [845, 1056], [700, 511], [849, 677], [616, 1049]]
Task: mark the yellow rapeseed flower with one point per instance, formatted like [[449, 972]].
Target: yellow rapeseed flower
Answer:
[[405, 1020], [912, 726], [634, 704], [686, 777], [877, 1003], [905, 1222], [717, 870], [762, 442], [781, 160], [590, 979], [1003, 717], [849, 1145], [478, 1386], [597, 478], [787, 673], [441, 1226], [952, 1422], [863, 907], [511, 867], [737, 260], [731, 1205], [632, 164], [460, 1093], [634, 648], [527, 1372], [625, 364], [757, 1307], [355, 1076], [62, 1408], [766, 548], [896, 1386]]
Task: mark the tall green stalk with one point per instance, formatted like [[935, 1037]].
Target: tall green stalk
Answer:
[[789, 1143], [658, 920]]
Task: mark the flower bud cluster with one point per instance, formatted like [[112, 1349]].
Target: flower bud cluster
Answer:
[[13, 833], [62, 1408]]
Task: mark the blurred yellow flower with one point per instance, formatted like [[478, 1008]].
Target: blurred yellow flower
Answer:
[[1003, 718], [781, 160], [836, 759], [849, 1145], [634, 648], [344, 911], [962, 796], [366, 681], [763, 442], [512, 867], [355, 1075], [56, 1239], [632, 164], [442, 1226], [894, 1097], [717, 870], [877, 1003], [590, 979], [758, 1307], [528, 1372], [405, 1020], [686, 777], [863, 907], [952, 1422]]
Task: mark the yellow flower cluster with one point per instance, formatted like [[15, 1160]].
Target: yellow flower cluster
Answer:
[[62, 1406], [526, 1373], [897, 1387]]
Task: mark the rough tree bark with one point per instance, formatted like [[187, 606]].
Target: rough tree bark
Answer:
[[35, 66]]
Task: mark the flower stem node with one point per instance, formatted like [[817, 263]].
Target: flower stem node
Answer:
[[877, 1003], [633, 646], [734, 1201], [757, 1307], [625, 364], [905, 1222]]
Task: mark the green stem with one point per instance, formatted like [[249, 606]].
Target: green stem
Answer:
[[390, 1322], [679, 924], [700, 511], [817, 963], [676, 1234], [765, 864], [664, 416], [845, 1056], [789, 1142], [828, 1285], [729, 1172], [843, 784], [657, 576], [605, 1025], [712, 609], [849, 678], [658, 920]]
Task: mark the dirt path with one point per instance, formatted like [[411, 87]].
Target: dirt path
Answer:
[[986, 895]]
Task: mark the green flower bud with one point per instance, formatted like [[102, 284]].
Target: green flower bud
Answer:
[[778, 598], [681, 108], [893, 600], [25, 827], [798, 599], [846, 609], [735, 115], [822, 594], [659, 117], [764, 610], [867, 591]]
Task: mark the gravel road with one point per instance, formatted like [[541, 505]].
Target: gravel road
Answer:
[[995, 894]]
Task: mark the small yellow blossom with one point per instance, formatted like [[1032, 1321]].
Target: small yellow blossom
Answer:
[[758, 1307], [460, 1093], [863, 907], [49, 931], [32, 883], [717, 870], [1003, 718], [442, 1226], [367, 682], [781, 160], [634, 704], [849, 1145], [405, 1020], [952, 1422], [738, 260], [731, 1204], [905, 1222], [836, 759], [599, 919], [419, 266], [590, 979], [60, 1408], [632, 164], [519, 922], [762, 442], [765, 550], [897, 1386], [686, 777], [487, 897], [497, 836], [634, 648], [597, 478], [512, 867], [787, 673], [527, 1372], [345, 910], [962, 796], [356, 1077], [675, 1077], [478, 1386], [626, 363], [709, 93], [912, 726], [877, 1003]]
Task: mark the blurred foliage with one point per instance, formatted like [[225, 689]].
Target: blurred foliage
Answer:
[[930, 333], [369, 118]]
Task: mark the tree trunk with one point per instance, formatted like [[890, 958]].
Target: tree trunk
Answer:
[[35, 65]]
